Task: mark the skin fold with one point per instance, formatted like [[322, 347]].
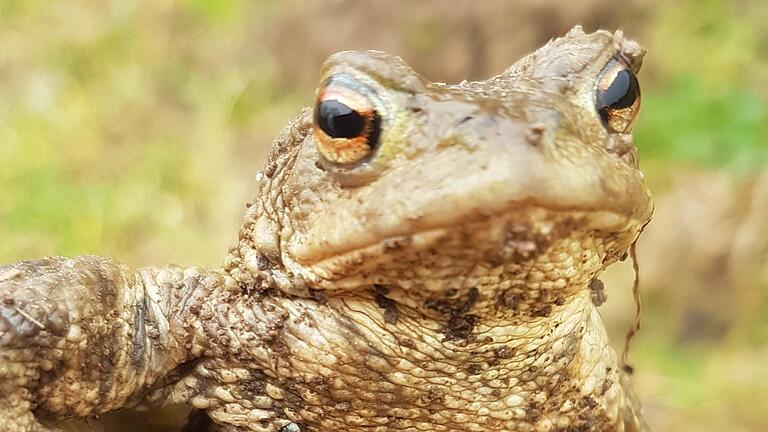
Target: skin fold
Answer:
[[441, 283]]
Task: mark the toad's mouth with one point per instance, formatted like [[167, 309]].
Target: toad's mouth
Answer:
[[516, 235], [422, 197]]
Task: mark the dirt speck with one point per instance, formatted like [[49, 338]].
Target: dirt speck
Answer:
[[391, 314], [504, 352], [460, 327], [598, 291]]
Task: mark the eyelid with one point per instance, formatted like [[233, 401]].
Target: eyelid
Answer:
[[346, 95]]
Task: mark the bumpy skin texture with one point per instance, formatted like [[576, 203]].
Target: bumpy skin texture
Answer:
[[442, 284]]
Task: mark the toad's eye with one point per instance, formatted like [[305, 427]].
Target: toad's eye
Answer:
[[618, 96], [346, 123]]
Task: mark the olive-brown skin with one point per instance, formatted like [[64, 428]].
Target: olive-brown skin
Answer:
[[439, 284]]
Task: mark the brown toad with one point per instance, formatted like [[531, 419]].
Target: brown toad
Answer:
[[417, 258]]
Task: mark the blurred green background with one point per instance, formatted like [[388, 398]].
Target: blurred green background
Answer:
[[134, 129]]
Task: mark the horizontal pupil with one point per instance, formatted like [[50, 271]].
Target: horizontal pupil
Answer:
[[622, 92], [338, 120]]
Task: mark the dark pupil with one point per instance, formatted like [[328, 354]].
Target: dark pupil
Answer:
[[339, 120], [622, 92]]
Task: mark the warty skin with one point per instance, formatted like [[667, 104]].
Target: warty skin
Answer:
[[440, 284]]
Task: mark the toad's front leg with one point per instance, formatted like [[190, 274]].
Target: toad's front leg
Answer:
[[84, 336]]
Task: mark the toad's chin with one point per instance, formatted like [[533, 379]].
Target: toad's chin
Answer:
[[514, 237]]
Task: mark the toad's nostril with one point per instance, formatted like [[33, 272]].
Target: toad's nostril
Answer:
[[534, 134]]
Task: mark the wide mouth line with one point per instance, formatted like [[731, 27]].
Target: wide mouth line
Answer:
[[604, 220]]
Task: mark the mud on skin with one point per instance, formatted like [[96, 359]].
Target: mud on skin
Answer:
[[418, 257]]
